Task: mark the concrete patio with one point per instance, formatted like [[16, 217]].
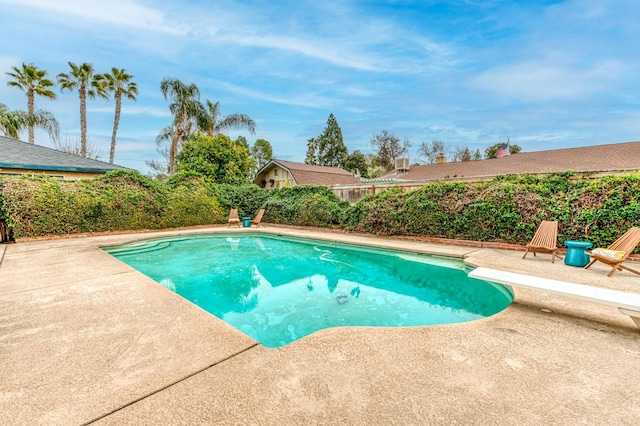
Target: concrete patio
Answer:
[[86, 339]]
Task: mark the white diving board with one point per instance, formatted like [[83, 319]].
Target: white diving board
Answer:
[[627, 303]]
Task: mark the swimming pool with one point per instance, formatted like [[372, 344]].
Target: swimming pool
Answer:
[[277, 290]]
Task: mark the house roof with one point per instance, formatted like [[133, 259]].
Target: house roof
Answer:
[[600, 158], [307, 174], [15, 154]]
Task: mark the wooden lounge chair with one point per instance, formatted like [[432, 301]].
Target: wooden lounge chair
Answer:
[[233, 218], [617, 252], [256, 220], [545, 240]]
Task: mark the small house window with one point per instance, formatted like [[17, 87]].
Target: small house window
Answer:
[[275, 172]]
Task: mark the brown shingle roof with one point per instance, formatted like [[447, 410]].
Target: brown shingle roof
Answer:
[[307, 174], [599, 158]]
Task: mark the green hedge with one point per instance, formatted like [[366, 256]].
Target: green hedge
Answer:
[[507, 209], [248, 198], [304, 205], [119, 200]]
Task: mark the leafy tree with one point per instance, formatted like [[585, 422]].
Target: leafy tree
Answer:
[[119, 83], [261, 152], [493, 150], [213, 123], [216, 157], [432, 150], [242, 141], [13, 122], [33, 82], [476, 155], [356, 162], [187, 112], [388, 148], [82, 78], [374, 167], [328, 149]]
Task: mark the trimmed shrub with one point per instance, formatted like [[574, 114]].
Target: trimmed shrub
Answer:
[[507, 209], [247, 198], [190, 202], [304, 206]]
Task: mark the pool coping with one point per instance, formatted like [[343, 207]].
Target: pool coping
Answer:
[[79, 352]]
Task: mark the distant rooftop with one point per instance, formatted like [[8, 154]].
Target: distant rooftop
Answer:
[[619, 157], [307, 174], [15, 154]]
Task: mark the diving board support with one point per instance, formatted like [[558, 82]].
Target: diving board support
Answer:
[[627, 303], [635, 315]]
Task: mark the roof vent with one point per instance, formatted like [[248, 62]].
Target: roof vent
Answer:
[[402, 164]]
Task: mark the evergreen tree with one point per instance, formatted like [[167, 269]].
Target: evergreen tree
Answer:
[[328, 149]]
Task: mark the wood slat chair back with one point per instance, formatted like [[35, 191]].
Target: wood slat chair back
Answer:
[[233, 218], [626, 243], [545, 240], [256, 220]]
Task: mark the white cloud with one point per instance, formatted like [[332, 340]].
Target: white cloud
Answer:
[[309, 100], [540, 80], [132, 109], [125, 13]]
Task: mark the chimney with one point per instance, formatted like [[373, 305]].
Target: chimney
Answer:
[[441, 159]]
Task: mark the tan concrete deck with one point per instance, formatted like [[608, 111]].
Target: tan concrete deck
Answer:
[[85, 338]]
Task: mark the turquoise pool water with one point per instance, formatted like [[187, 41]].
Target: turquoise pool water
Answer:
[[277, 290]]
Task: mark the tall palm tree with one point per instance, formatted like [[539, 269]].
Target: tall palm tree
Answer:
[[33, 82], [13, 122], [187, 112], [214, 123], [118, 82], [82, 78]]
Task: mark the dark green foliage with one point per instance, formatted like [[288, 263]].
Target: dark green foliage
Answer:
[[304, 205], [356, 162], [261, 152], [216, 157], [493, 150], [119, 200], [3, 214], [189, 205], [328, 149], [248, 198], [507, 209], [377, 214]]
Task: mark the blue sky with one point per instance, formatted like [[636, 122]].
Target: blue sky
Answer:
[[546, 74]]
